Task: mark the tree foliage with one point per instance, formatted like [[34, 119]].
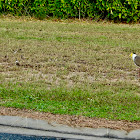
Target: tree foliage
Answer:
[[117, 10]]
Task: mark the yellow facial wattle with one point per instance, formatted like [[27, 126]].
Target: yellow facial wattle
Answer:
[[131, 54]]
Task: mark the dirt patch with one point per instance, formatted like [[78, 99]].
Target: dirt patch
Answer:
[[74, 121]]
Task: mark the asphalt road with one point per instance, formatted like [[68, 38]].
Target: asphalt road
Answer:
[[8, 136]]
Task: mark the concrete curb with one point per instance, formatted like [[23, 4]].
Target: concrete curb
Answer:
[[28, 126]]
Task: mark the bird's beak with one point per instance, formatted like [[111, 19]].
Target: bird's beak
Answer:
[[131, 54]]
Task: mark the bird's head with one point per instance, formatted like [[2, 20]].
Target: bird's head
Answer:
[[132, 54]]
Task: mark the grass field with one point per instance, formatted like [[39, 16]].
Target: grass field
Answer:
[[70, 67]]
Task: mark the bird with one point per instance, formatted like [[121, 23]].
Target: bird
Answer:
[[136, 60]]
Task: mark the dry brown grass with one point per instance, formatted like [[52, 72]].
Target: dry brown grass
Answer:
[[70, 52]]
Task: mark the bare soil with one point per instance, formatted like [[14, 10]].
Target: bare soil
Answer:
[[73, 121]]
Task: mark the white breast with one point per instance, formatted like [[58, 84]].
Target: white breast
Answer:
[[133, 56]]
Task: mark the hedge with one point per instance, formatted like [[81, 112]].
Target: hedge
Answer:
[[116, 10]]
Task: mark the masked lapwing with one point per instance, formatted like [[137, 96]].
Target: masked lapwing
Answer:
[[136, 60]]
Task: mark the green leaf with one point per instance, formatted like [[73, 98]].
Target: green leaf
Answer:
[[120, 15]]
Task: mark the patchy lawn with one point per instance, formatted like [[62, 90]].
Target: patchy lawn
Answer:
[[75, 68]]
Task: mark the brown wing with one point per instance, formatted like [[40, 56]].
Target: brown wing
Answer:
[[137, 60]]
